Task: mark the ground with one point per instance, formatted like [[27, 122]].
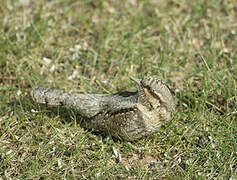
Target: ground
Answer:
[[94, 46]]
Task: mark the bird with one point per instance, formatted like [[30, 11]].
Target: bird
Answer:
[[128, 115]]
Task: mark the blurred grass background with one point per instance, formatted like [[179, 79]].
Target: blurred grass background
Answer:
[[94, 46]]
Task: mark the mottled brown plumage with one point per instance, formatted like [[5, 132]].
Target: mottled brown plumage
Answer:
[[129, 115]]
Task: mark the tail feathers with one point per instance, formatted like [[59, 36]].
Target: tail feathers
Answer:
[[88, 105], [48, 95]]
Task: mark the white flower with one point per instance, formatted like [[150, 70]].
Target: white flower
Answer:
[[59, 164], [18, 92], [74, 75], [47, 60], [52, 69]]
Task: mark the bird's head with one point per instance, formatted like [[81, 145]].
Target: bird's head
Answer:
[[154, 94]]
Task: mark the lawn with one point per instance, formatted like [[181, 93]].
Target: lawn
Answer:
[[94, 46]]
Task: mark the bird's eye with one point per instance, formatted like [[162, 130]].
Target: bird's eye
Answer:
[[149, 88]]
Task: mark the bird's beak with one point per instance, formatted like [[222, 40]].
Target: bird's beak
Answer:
[[137, 81]]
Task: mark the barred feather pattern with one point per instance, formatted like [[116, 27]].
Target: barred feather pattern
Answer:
[[128, 115]]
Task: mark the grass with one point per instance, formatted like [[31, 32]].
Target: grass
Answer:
[[94, 46]]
